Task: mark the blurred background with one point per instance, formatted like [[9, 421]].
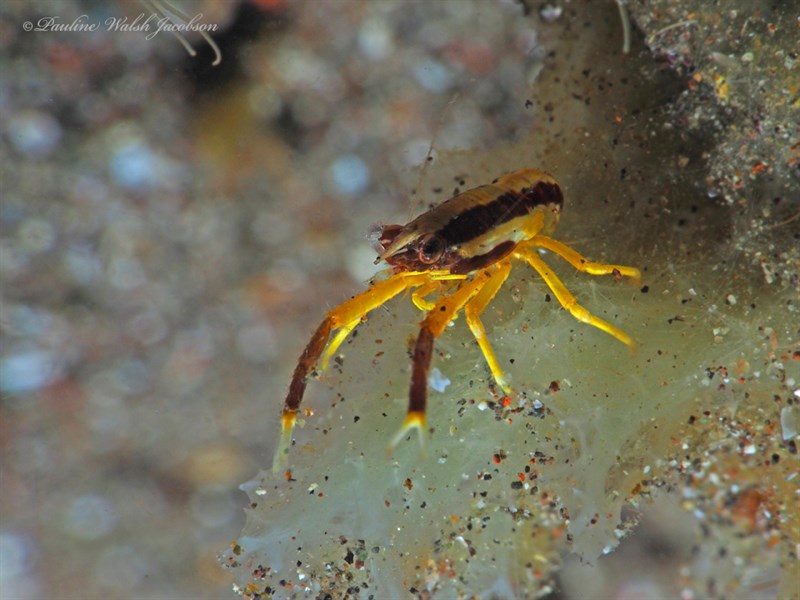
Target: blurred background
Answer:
[[172, 231]]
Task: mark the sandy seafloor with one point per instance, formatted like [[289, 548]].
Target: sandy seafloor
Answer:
[[173, 231]]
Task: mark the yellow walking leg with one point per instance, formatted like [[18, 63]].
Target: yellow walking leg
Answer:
[[335, 342], [418, 296], [567, 300], [472, 311], [578, 261]]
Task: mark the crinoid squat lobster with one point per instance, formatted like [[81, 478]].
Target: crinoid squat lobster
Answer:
[[460, 253]]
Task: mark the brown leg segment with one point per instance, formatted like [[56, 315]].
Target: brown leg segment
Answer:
[[344, 317], [308, 359], [421, 363], [307, 362], [432, 327]]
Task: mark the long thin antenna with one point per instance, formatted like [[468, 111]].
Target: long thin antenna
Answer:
[[626, 26], [429, 155], [172, 13], [652, 37]]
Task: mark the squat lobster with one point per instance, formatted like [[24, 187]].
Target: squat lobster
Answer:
[[461, 249]]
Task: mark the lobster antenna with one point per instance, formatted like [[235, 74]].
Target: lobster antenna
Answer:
[[429, 155]]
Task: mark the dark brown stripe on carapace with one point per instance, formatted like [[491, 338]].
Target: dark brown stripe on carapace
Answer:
[[423, 351], [468, 265], [480, 219], [307, 362]]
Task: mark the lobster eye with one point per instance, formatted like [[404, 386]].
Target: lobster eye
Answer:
[[431, 248]]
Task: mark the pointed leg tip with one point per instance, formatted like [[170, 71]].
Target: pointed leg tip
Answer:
[[503, 383], [635, 275], [628, 341], [413, 420], [288, 421], [279, 461], [281, 456]]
